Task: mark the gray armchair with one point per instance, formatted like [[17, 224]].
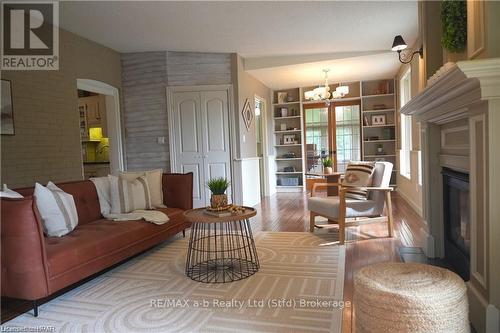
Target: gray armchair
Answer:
[[344, 211]]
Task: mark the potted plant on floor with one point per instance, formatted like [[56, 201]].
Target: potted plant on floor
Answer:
[[218, 187], [327, 166]]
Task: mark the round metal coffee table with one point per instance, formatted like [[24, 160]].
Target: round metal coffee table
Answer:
[[221, 249]]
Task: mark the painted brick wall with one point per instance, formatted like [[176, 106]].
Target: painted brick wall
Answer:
[[144, 107], [145, 78], [46, 145]]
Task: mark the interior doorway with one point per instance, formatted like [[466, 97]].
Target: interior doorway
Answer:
[[93, 134], [261, 142], [100, 128]]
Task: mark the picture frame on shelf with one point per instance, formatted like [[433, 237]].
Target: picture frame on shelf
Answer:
[[378, 120], [284, 112], [282, 97], [283, 127], [288, 139]]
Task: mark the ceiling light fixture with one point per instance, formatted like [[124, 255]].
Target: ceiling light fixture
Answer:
[[399, 45], [323, 92], [340, 91]]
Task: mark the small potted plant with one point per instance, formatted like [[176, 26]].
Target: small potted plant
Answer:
[[218, 187], [327, 166], [380, 149]]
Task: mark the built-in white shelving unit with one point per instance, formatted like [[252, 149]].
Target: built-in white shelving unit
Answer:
[[377, 99], [288, 139], [378, 102]]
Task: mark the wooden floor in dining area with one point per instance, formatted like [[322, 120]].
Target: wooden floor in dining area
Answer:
[[365, 245]]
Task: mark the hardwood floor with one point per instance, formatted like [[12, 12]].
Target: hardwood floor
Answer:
[[365, 245]]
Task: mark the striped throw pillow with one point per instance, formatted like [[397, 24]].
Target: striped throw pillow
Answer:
[[154, 178], [358, 174], [57, 210], [129, 195]]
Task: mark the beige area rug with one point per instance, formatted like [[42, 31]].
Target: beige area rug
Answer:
[[299, 288]]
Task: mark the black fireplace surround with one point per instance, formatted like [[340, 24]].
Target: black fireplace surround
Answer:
[[456, 213]]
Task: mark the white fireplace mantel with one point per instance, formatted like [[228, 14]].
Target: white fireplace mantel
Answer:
[[454, 87], [467, 92]]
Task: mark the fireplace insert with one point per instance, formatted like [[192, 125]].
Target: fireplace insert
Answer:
[[456, 213]]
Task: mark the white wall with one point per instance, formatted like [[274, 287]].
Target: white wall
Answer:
[[250, 185], [410, 189]]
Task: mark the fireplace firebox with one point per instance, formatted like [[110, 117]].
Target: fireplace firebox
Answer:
[[456, 213]]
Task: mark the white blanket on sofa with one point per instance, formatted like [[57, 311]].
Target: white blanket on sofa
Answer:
[[102, 186]]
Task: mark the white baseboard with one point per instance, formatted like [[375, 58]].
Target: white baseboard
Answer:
[[484, 317], [429, 246], [416, 208]]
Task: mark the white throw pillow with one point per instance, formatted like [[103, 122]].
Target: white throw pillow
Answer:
[[103, 192], [129, 195], [8, 193], [57, 209], [155, 183]]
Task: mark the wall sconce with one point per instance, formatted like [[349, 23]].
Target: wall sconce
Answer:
[[399, 45]]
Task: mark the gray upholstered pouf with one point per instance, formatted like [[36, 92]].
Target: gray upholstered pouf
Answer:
[[408, 297]]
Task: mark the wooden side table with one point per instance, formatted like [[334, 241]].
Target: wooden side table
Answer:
[[330, 178], [221, 249]]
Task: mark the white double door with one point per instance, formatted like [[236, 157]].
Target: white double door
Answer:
[[201, 138]]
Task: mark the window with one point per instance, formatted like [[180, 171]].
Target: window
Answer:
[[404, 154], [258, 125], [420, 167], [347, 135], [316, 138]]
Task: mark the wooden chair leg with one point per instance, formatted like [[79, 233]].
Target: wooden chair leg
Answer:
[[311, 221], [388, 207], [342, 213]]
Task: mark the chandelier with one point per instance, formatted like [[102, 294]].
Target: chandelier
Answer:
[[323, 92]]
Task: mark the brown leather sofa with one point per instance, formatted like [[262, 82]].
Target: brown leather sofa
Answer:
[[34, 266]]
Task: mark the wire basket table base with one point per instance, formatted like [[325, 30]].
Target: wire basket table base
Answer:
[[221, 252]]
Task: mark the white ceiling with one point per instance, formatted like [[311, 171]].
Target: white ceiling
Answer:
[[300, 34]]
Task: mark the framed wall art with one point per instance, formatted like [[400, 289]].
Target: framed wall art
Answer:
[[7, 111], [247, 114]]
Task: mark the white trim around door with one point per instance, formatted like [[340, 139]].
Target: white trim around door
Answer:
[[173, 144], [265, 148], [114, 123]]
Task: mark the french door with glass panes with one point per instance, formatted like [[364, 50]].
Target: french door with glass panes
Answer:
[[347, 131], [332, 132]]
